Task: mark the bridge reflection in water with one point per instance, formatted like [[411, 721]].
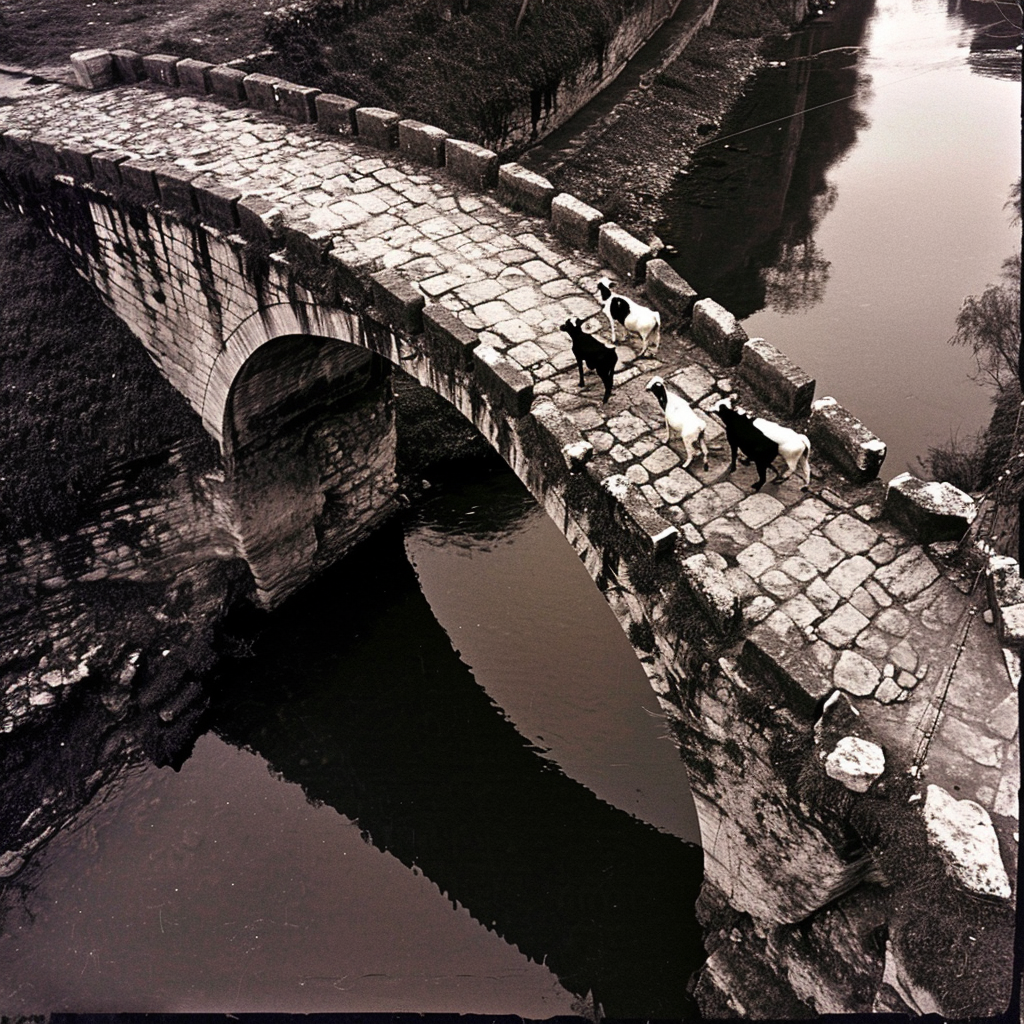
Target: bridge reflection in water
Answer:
[[390, 728]]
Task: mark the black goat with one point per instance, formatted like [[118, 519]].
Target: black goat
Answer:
[[741, 434], [587, 349]]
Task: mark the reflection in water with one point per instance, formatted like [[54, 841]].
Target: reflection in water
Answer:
[[361, 830], [391, 729], [849, 234]]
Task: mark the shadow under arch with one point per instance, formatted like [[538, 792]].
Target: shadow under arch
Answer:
[[388, 726]]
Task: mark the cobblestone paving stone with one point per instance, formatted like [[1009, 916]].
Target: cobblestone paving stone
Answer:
[[820, 569]]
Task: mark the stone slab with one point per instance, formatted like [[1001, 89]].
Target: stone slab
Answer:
[[377, 127], [398, 302], [928, 511], [788, 662], [194, 76], [94, 69], [261, 92], [508, 387], [522, 189], [575, 221], [451, 340], [857, 452], [718, 332], [785, 388], [162, 68], [422, 142], [668, 293], [336, 115], [471, 163], [626, 254], [128, 66], [297, 102], [227, 83]]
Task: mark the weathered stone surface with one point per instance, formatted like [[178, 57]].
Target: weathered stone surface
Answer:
[[929, 511], [217, 204], [227, 83], [718, 332], [128, 66], [139, 180], [623, 252], [845, 440], [261, 92], [377, 127], [1006, 599], [668, 293], [563, 435], [855, 674], [454, 341], [522, 189], [162, 68], [336, 115], [422, 142], [471, 163], [398, 301], [509, 388], [784, 386], [908, 575], [786, 659], [635, 514], [106, 168], [259, 219], [856, 763], [962, 832], [297, 102], [94, 69], [574, 221], [194, 76], [712, 591], [842, 625]]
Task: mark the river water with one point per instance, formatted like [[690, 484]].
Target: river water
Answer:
[[436, 780], [848, 236]]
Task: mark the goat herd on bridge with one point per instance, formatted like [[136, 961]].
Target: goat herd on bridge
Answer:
[[761, 441]]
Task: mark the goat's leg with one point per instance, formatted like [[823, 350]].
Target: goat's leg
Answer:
[[579, 364], [762, 475], [689, 450], [703, 449], [732, 464]]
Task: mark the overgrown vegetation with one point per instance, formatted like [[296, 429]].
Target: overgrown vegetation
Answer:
[[465, 72], [78, 392], [989, 462]]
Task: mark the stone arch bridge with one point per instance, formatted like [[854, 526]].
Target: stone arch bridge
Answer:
[[266, 242]]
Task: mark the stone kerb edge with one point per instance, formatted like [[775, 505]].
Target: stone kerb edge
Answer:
[[631, 510], [845, 440], [785, 387]]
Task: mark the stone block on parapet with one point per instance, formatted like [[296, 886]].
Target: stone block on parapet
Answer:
[[46, 150], [306, 245], [175, 185], [17, 140], [1006, 599], [259, 220], [452, 342], [668, 293], [194, 76], [560, 435], [718, 332], [712, 592], [522, 189], [470, 163], [857, 452], [784, 659], [421, 142], [377, 127], [336, 115], [928, 510], [217, 203], [509, 388], [94, 69], [352, 277], [227, 83], [106, 169], [77, 160], [633, 513], [261, 92], [574, 221], [128, 66], [782, 384], [161, 68], [398, 302], [138, 179], [623, 252], [297, 102]]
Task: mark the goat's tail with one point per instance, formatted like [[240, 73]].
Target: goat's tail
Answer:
[[656, 333]]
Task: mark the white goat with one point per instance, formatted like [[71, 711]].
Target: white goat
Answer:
[[635, 319], [680, 419]]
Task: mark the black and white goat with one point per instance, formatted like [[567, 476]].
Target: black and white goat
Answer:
[[680, 419], [587, 349], [762, 442], [635, 319]]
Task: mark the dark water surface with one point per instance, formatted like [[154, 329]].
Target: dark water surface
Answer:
[[363, 828], [849, 235]]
